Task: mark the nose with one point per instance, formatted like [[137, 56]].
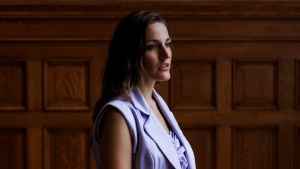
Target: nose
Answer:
[[165, 53]]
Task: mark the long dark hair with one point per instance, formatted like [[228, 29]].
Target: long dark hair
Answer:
[[124, 68]]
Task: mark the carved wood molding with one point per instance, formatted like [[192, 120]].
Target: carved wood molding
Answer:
[[169, 9], [187, 40]]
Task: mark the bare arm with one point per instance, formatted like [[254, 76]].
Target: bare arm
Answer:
[[115, 143]]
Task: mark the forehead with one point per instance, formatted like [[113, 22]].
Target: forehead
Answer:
[[157, 30]]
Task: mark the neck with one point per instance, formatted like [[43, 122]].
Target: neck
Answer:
[[147, 91]]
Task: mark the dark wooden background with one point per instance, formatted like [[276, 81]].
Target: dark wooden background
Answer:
[[235, 85]]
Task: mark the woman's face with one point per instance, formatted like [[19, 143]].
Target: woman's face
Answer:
[[157, 59]]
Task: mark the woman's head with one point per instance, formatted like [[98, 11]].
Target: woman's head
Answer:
[[127, 48], [124, 68]]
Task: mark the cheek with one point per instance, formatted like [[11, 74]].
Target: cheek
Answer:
[[146, 63], [149, 60], [170, 53]]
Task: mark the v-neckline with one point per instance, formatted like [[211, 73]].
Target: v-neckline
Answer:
[[163, 116]]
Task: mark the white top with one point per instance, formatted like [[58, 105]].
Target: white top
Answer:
[[180, 150]]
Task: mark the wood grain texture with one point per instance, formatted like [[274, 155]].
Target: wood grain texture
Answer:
[[255, 84], [297, 84], [297, 147], [202, 140], [193, 85], [66, 85], [255, 148], [66, 148], [13, 148], [12, 85], [207, 9], [56, 51]]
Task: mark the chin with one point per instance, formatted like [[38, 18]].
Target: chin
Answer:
[[164, 79]]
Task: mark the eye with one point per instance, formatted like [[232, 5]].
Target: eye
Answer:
[[169, 44], [151, 47]]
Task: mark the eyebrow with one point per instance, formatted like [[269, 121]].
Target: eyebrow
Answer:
[[154, 40]]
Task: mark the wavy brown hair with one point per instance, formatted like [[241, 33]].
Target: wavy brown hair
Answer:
[[124, 68]]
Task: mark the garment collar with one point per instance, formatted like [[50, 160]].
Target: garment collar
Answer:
[[139, 101], [152, 125]]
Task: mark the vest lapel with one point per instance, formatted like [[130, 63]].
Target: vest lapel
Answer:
[[160, 137], [154, 129], [173, 123]]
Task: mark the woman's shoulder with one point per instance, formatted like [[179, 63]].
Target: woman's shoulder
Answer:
[[119, 102], [117, 111]]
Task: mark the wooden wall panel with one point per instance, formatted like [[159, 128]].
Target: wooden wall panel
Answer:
[[221, 50], [12, 85], [193, 85], [203, 142], [297, 147], [78, 28], [13, 148], [66, 148], [236, 49], [297, 84], [255, 148], [53, 48], [97, 27], [226, 29], [66, 85], [255, 85]]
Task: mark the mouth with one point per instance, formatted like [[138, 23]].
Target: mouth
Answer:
[[164, 66]]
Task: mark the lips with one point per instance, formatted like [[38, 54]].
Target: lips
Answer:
[[164, 66]]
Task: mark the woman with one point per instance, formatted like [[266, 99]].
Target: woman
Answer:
[[133, 126]]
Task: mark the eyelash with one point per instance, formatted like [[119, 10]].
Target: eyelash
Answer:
[[151, 47], [169, 44]]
